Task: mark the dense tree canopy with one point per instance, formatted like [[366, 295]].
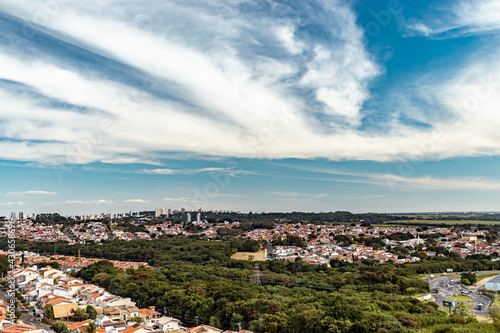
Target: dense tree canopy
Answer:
[[193, 278]]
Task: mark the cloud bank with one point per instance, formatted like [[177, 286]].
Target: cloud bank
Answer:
[[134, 81]]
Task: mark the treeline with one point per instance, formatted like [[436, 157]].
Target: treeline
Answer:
[[196, 293], [191, 249]]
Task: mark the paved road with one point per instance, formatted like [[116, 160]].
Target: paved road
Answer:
[[449, 287], [111, 236], [26, 316], [68, 233]]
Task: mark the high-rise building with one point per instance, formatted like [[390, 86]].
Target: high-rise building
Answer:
[[13, 215], [21, 215], [189, 217], [162, 211], [198, 218]]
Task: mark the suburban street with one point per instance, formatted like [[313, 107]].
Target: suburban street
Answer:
[[449, 287], [26, 316]]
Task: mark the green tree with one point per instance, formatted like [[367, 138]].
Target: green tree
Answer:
[[79, 315], [59, 327], [91, 312], [91, 328], [4, 265], [469, 277], [137, 319], [49, 312]]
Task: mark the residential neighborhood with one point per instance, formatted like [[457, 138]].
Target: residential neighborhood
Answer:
[[51, 295]]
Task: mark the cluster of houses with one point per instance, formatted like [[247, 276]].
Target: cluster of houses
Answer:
[[91, 231], [321, 243], [322, 246], [71, 263], [50, 290], [38, 232], [123, 235]]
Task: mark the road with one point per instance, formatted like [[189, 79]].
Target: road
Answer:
[[111, 236], [449, 287], [68, 233], [26, 316]]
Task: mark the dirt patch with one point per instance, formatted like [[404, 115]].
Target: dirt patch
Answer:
[[257, 256], [481, 283], [484, 319]]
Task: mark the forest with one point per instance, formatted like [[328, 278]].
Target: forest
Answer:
[[194, 280]]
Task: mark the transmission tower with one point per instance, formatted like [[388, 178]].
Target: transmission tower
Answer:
[[256, 276]]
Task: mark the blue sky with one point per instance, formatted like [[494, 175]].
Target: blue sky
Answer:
[[385, 106]]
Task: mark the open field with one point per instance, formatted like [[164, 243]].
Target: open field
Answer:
[[484, 319], [496, 303], [257, 256], [437, 222], [459, 299]]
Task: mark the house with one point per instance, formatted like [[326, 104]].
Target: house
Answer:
[[79, 327], [149, 315], [111, 300], [70, 281], [18, 328], [137, 328], [63, 308], [168, 323], [114, 326], [111, 313], [52, 272], [102, 319], [128, 312], [204, 329]]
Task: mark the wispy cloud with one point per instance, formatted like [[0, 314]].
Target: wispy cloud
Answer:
[[165, 171], [465, 17], [139, 201], [80, 202], [397, 182], [290, 82], [286, 194], [299, 195], [10, 203], [31, 193], [181, 199]]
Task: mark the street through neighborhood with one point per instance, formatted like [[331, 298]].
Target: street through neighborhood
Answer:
[[26, 317]]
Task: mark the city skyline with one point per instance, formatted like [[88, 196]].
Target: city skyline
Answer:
[[364, 106]]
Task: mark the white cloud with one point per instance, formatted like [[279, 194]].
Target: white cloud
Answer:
[[165, 171], [395, 182], [285, 35], [10, 203], [160, 171], [182, 199], [90, 202], [30, 193], [242, 99], [464, 17], [299, 195], [139, 201], [286, 194]]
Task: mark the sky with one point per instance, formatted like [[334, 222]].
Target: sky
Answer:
[[261, 105]]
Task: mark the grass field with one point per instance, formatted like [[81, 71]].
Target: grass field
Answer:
[[496, 303], [459, 299], [257, 256], [437, 222]]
